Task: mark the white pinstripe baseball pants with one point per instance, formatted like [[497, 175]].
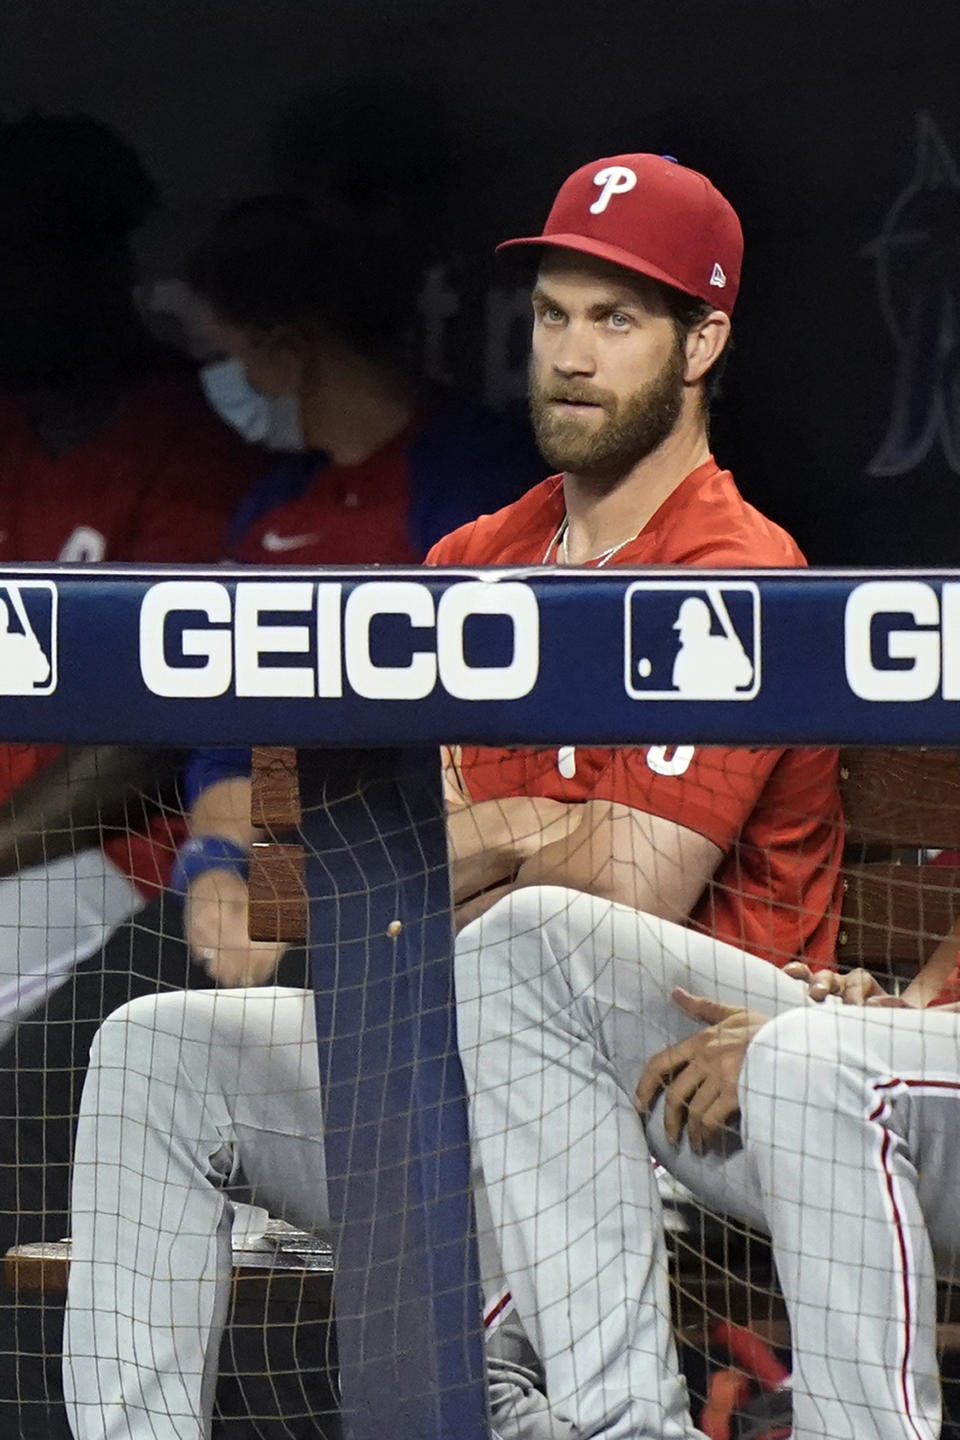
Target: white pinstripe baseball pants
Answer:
[[562, 999], [188, 1094]]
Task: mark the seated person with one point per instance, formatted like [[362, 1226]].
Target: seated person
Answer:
[[108, 454], [743, 844], [314, 317], [572, 1015], [385, 470]]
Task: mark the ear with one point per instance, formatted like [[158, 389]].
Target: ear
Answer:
[[705, 344]]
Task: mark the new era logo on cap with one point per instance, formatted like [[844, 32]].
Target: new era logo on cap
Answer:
[[718, 278]]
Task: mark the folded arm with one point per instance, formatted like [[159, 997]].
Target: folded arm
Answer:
[[598, 847]]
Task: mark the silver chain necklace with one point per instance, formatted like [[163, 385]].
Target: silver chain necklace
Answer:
[[559, 547]]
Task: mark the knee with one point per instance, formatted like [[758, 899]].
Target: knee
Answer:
[[129, 1036], [507, 970], [515, 941], [794, 1059]]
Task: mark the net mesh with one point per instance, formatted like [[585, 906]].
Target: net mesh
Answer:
[[81, 936]]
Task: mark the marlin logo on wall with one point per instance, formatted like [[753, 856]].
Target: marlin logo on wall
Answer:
[[918, 278]]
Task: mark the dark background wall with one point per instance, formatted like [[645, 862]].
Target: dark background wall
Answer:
[[833, 125]]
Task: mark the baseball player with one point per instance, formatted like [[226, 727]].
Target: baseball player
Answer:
[[573, 1014], [638, 271], [851, 1124]]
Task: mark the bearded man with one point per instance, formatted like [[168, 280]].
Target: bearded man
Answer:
[[639, 268]]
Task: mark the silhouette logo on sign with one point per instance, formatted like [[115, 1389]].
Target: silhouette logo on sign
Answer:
[[28, 642], [692, 642]]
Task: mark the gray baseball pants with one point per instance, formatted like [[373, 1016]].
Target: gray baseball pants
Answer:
[[562, 998], [188, 1095]]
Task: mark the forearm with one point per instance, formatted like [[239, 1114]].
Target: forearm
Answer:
[[929, 980], [224, 809], [490, 841], [68, 804], [629, 857]]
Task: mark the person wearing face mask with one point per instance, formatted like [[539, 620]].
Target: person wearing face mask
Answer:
[[313, 329], [378, 468]]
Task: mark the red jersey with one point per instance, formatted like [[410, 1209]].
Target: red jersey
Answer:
[[335, 515], [158, 483], [775, 813], [450, 462]]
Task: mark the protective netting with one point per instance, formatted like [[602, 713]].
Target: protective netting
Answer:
[[205, 1096]]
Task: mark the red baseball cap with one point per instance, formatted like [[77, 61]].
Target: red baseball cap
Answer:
[[647, 213]]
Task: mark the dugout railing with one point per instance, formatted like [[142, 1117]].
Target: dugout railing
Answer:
[[367, 672]]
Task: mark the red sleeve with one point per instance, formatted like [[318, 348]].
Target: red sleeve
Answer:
[[703, 788], [449, 550]]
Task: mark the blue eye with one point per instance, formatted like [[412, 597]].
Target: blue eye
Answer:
[[619, 321]]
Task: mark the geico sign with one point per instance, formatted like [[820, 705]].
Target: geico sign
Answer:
[[333, 639], [902, 640]]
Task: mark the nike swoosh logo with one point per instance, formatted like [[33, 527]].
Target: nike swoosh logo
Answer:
[[278, 543]]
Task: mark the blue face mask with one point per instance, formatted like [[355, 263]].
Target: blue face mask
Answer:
[[262, 419]]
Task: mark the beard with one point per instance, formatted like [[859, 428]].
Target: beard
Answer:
[[631, 429]]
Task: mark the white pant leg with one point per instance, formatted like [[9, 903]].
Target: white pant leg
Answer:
[[52, 917], [852, 1126], [185, 1094], [562, 998]]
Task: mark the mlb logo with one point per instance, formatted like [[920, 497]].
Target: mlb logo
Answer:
[[688, 641], [28, 637]]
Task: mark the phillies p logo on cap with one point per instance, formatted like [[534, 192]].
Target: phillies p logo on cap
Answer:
[[614, 180]]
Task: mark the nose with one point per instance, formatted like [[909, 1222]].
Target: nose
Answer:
[[574, 353]]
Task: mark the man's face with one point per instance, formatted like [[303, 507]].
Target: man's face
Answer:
[[606, 369]]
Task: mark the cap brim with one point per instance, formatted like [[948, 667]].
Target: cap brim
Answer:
[[584, 245]]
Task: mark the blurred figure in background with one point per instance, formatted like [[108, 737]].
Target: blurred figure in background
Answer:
[[107, 453], [312, 311], [310, 323], [314, 315]]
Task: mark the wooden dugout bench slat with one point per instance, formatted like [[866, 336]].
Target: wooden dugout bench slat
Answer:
[[294, 1266], [896, 909], [278, 892]]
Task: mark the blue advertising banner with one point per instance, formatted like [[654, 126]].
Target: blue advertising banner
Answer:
[[370, 657]]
